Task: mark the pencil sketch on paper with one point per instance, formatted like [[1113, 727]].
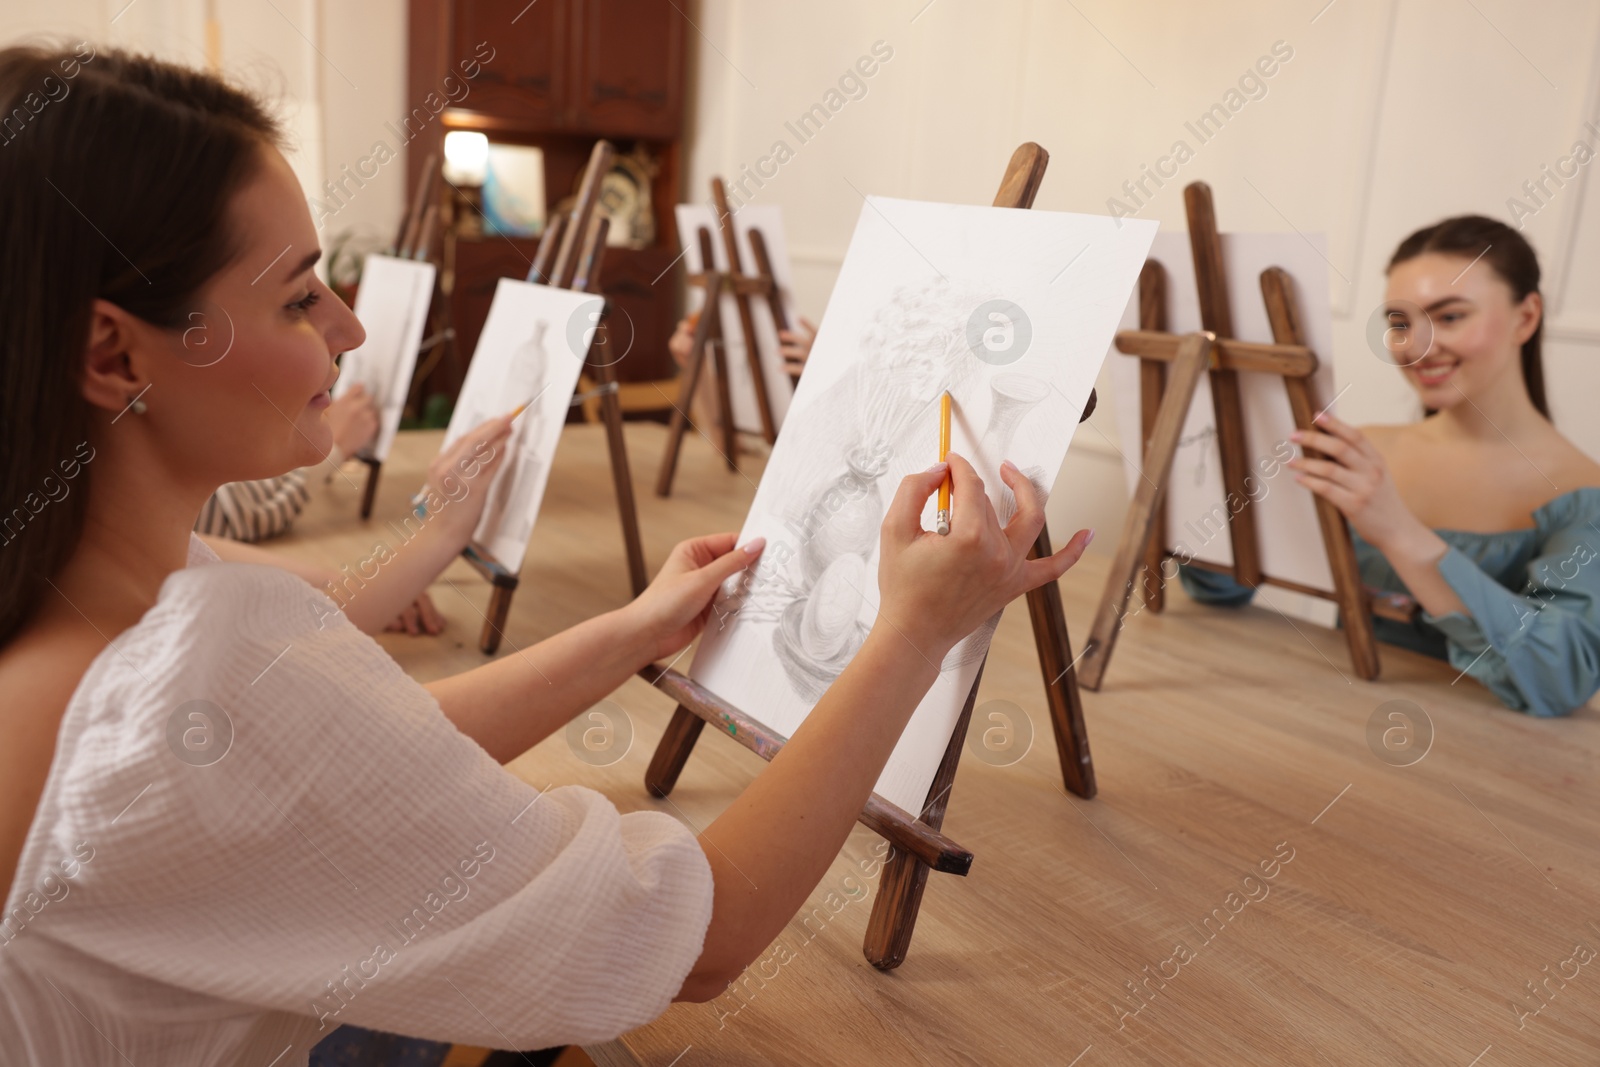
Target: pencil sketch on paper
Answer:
[[909, 319], [521, 359], [914, 349], [507, 513], [392, 305]]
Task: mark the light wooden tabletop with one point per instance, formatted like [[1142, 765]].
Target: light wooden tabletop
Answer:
[[1253, 884]]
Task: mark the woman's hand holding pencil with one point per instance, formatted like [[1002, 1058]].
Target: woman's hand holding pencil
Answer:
[[936, 589]]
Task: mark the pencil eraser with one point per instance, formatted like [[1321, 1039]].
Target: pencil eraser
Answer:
[[943, 526]]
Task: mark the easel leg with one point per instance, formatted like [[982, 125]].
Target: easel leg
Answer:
[[730, 442], [672, 753], [1194, 354], [1152, 384], [1355, 611], [370, 492], [622, 478], [894, 910], [691, 381], [494, 622], [1060, 680]]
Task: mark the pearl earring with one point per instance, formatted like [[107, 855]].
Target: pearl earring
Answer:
[[138, 406]]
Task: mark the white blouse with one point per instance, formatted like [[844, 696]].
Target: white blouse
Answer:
[[257, 828]]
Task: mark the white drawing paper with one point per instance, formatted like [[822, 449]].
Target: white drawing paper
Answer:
[[392, 304], [1012, 312], [1286, 519], [768, 218], [530, 352]]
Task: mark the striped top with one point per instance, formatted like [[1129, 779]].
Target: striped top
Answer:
[[254, 511]]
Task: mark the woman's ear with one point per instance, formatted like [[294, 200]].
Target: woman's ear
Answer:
[[1529, 314], [109, 378]]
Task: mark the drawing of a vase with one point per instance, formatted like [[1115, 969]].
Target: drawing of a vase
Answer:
[[844, 516], [1014, 395], [510, 509], [820, 630]]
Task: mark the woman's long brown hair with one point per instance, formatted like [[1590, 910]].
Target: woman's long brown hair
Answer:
[[116, 172]]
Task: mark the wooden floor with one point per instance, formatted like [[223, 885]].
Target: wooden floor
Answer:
[[1415, 915]]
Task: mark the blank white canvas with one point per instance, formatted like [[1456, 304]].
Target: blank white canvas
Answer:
[[911, 316], [392, 304], [768, 218], [530, 352], [1286, 519]]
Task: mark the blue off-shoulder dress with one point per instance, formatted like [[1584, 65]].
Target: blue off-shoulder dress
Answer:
[[1531, 632]]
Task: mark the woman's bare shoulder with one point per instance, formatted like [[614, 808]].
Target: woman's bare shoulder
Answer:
[[1576, 469]]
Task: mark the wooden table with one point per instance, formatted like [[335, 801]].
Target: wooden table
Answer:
[[1415, 904]]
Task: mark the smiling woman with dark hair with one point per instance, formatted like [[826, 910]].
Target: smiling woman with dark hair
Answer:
[[1483, 512], [228, 820]]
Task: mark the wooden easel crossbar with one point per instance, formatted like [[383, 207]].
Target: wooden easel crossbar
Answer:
[[919, 845]]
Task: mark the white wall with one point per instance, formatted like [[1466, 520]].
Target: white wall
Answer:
[[333, 71], [1391, 114]]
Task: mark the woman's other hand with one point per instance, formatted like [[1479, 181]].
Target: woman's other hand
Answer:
[[673, 610], [419, 617], [353, 420], [460, 476], [1355, 479]]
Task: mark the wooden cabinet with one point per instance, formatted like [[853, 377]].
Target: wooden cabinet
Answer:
[[528, 83], [563, 74], [629, 77]]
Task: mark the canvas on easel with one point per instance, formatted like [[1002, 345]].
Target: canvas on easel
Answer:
[[1196, 503], [524, 357], [1009, 322], [741, 276], [1171, 369], [392, 304], [921, 289], [766, 222], [568, 262], [396, 307]]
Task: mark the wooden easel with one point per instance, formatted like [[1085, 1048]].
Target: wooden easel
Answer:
[[708, 335], [570, 256], [414, 241], [1164, 404], [919, 846]]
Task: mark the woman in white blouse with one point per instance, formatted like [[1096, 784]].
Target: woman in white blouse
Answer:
[[228, 821]]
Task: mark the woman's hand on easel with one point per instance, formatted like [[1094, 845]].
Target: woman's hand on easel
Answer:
[[1355, 479], [674, 608], [353, 420], [936, 589], [795, 346], [682, 340]]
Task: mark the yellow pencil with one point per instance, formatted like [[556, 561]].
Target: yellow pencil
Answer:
[[942, 520]]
